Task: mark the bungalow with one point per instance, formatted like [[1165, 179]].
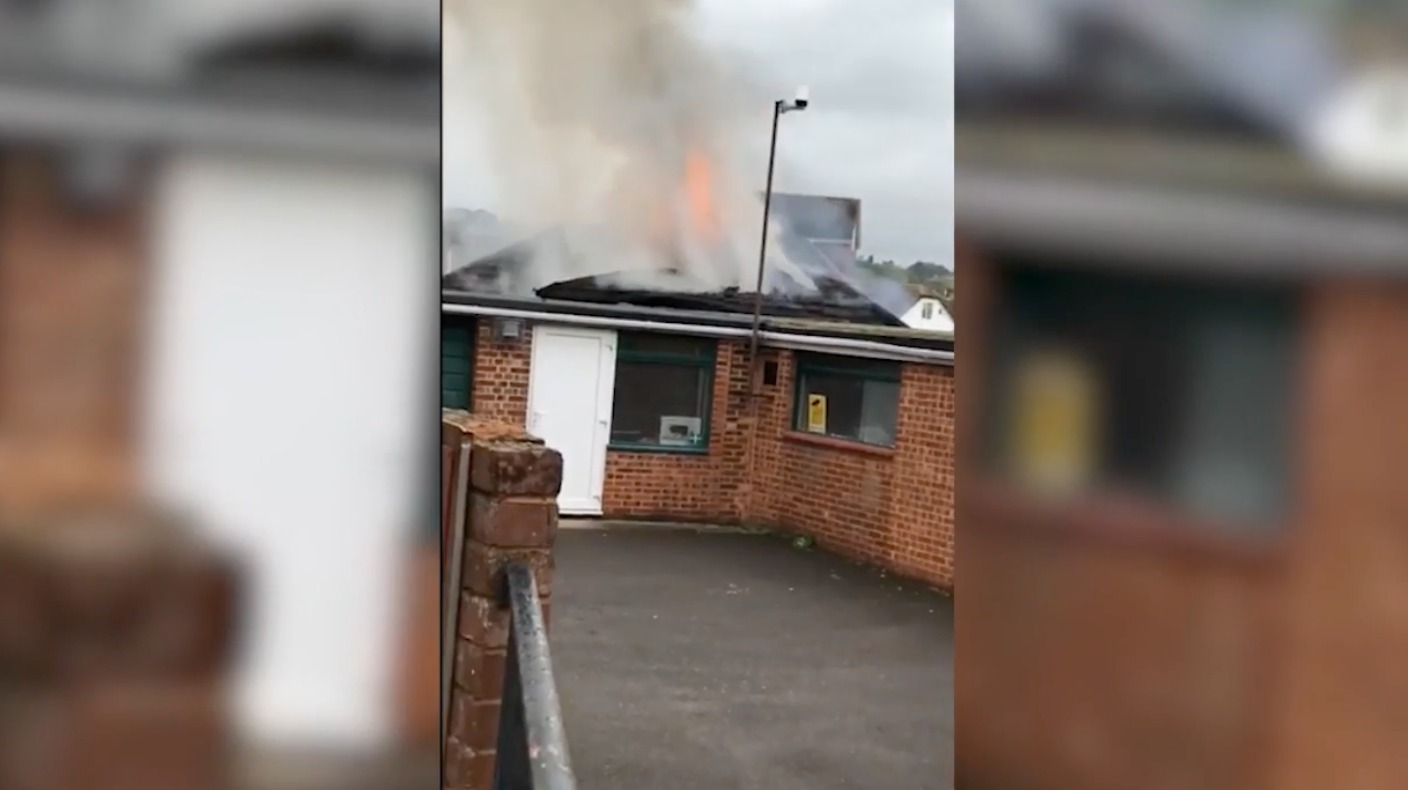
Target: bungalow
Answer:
[[831, 420]]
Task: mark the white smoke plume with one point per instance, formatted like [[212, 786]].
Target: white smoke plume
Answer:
[[608, 119]]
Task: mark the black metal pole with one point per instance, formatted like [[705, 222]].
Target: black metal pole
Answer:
[[763, 244]]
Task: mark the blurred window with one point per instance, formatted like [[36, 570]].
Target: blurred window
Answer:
[[1176, 390]]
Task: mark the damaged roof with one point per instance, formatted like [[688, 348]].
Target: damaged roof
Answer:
[[1164, 133], [829, 285], [1257, 72], [834, 301]]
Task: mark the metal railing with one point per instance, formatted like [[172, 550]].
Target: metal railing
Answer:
[[532, 748]]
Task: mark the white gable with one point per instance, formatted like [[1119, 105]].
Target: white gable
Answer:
[[928, 313], [1363, 133]]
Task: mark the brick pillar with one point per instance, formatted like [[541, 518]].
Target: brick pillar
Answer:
[[72, 289], [116, 632], [511, 516]]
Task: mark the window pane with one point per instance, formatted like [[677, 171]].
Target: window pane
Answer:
[[879, 412], [1233, 457], [660, 404], [848, 407], [456, 352], [658, 344], [1189, 387]]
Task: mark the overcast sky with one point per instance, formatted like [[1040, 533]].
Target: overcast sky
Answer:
[[879, 127]]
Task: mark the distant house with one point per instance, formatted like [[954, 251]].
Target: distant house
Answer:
[[1363, 133], [930, 312]]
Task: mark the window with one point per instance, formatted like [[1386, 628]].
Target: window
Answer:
[[847, 398], [456, 361], [927, 311], [663, 387], [1166, 389]]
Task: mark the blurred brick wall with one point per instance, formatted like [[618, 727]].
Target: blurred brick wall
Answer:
[[116, 639], [71, 288], [1106, 658], [1341, 719], [1105, 666], [891, 507]]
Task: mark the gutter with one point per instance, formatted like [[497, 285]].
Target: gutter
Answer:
[[168, 119], [1107, 222], [793, 341]]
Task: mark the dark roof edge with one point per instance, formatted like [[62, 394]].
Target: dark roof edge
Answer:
[[1151, 226]]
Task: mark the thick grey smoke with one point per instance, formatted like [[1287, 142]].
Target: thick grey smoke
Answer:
[[609, 119]]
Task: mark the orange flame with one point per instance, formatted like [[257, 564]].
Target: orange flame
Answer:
[[702, 211]]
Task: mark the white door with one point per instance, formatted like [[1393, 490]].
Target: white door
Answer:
[[569, 407], [289, 297]]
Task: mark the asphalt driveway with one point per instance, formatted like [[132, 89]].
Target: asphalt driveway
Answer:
[[705, 659]]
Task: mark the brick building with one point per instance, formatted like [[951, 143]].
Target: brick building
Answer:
[[841, 432]]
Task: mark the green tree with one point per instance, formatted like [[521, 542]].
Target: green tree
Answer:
[[927, 273]]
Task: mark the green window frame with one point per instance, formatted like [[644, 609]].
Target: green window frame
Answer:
[[655, 372], [456, 364], [861, 398]]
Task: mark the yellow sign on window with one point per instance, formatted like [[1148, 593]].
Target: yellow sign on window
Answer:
[[816, 413], [1056, 439]]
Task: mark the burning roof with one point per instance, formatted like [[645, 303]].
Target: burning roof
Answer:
[[802, 279], [1262, 71]]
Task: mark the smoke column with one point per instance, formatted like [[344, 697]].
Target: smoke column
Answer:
[[609, 119]]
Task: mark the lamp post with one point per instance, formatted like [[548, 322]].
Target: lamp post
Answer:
[[779, 107]]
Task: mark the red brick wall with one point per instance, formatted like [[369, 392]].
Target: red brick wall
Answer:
[[891, 507], [500, 375], [922, 494], [678, 487], [1341, 709]]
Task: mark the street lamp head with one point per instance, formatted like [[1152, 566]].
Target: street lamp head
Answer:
[[799, 102]]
